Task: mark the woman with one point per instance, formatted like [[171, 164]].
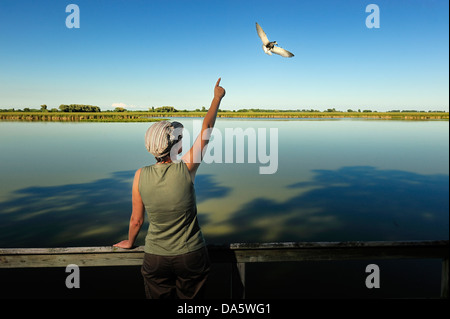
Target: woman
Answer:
[[176, 262]]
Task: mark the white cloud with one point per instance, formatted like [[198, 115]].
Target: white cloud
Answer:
[[119, 105], [127, 106]]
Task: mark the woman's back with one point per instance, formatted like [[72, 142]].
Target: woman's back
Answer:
[[168, 195]]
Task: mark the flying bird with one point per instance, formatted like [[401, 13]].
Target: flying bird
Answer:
[[269, 47]]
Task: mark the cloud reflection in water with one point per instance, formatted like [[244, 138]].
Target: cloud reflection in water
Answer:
[[350, 203]]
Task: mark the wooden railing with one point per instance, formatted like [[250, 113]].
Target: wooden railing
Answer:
[[238, 255]]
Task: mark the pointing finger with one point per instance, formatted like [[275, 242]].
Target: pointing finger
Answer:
[[218, 82]]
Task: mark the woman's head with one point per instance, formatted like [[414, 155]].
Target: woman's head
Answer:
[[161, 137]]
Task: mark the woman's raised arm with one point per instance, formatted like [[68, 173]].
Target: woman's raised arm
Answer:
[[194, 157]]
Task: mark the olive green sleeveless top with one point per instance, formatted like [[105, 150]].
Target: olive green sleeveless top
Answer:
[[169, 198]]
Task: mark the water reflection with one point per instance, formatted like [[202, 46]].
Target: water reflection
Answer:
[[86, 214], [350, 203]]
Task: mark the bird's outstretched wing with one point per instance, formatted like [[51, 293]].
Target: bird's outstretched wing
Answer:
[[282, 52], [262, 34]]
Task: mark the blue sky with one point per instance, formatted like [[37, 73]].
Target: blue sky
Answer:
[[140, 54]]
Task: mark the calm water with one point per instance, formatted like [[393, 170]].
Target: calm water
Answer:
[[69, 184]]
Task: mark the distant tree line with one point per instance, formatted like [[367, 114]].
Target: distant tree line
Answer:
[[275, 110], [62, 108], [78, 108], [171, 109], [165, 109]]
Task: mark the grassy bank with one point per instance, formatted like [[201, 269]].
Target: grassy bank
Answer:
[[79, 117], [157, 116]]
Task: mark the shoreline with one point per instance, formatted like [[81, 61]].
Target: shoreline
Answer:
[[156, 116]]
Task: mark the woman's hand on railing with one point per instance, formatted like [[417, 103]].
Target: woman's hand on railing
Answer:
[[126, 244]]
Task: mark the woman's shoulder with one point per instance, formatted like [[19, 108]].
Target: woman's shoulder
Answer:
[[138, 172], [143, 170]]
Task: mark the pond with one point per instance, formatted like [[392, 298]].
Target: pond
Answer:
[[69, 184]]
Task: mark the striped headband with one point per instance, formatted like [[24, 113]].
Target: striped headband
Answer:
[[161, 136]]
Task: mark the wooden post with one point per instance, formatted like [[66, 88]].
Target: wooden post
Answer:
[[238, 281], [444, 278], [241, 271]]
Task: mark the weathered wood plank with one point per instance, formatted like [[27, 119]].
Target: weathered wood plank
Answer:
[[234, 246], [62, 260], [344, 244], [274, 255], [67, 250], [444, 278], [234, 253], [61, 257]]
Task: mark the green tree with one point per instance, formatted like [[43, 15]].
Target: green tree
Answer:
[[79, 108], [166, 109]]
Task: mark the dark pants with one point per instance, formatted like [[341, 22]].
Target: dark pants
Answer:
[[171, 277]]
